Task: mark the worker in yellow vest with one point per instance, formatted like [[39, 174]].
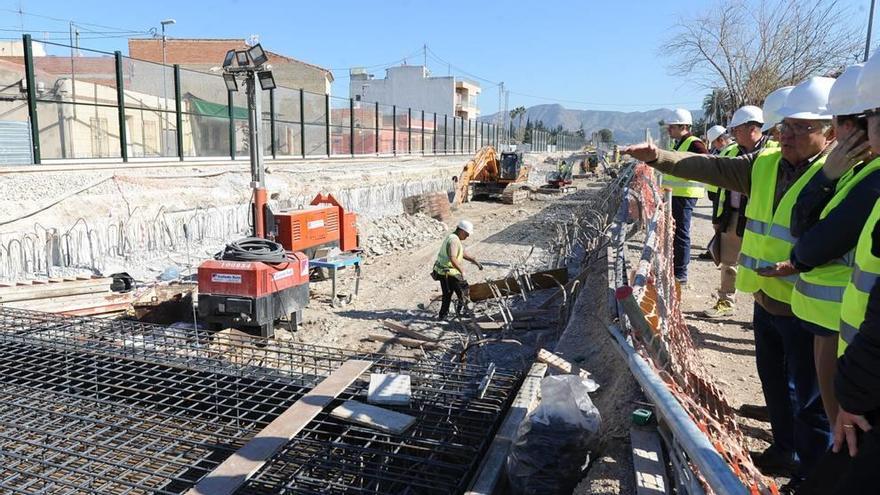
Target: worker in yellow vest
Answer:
[[448, 268], [685, 193], [718, 140], [729, 217], [857, 381], [772, 179], [827, 220]]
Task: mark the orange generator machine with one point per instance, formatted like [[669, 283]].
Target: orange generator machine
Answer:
[[323, 223]]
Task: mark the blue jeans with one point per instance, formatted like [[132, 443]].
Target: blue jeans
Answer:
[[682, 209], [784, 357]]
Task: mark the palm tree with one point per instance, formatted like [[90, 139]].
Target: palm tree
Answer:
[[518, 113]]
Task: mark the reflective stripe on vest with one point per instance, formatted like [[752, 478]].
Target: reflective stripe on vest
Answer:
[[767, 239], [683, 187], [731, 151], [818, 294], [865, 275]]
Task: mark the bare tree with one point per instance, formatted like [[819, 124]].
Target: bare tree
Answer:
[[749, 48]]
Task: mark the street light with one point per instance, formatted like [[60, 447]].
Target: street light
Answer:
[[251, 66], [164, 140]]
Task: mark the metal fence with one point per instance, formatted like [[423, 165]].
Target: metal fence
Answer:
[[105, 106]]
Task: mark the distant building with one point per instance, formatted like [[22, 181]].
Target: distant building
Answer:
[[411, 86], [203, 54]]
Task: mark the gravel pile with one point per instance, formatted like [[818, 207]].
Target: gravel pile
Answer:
[[399, 232]]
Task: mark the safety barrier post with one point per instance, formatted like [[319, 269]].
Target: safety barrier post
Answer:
[[31, 97], [120, 107]]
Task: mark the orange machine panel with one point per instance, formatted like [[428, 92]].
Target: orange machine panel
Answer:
[[251, 278], [349, 241], [308, 227]]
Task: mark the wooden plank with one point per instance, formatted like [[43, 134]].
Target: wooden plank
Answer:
[[509, 286], [648, 462], [486, 480], [405, 341], [373, 417], [495, 326], [409, 332], [226, 478], [561, 365], [54, 290]]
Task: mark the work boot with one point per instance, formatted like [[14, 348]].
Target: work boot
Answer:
[[705, 256], [723, 308], [754, 412], [774, 461]]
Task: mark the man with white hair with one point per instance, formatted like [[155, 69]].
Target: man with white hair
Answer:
[[772, 178], [448, 269]]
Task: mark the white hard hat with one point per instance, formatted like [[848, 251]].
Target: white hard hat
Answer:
[[715, 132], [680, 116], [869, 84], [466, 226], [808, 100], [748, 113], [772, 103], [844, 97]]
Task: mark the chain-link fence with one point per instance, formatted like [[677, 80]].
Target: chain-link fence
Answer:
[[94, 105]]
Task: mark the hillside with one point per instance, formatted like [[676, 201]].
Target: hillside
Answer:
[[628, 127]]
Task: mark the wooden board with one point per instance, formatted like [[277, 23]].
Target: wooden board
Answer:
[[43, 291], [648, 462], [509, 286], [492, 466], [409, 332], [373, 417], [404, 341], [561, 365], [226, 478]]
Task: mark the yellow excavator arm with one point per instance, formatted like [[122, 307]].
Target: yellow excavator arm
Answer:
[[484, 166]]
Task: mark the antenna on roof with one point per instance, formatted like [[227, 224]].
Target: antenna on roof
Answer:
[[253, 40]]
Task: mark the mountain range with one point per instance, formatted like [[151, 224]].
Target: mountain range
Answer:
[[627, 127]]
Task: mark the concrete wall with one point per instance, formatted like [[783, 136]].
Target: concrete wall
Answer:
[[408, 87]]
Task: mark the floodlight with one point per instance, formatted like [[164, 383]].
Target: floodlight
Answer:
[[242, 57], [266, 79], [258, 55], [231, 83], [230, 56]]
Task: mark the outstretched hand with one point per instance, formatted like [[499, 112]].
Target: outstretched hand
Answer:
[[645, 152]]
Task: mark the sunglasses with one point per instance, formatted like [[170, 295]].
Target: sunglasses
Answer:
[[798, 129]]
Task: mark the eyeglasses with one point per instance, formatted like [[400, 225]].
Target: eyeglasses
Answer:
[[798, 129]]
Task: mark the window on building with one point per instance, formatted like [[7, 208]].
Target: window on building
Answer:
[[100, 137], [151, 139]]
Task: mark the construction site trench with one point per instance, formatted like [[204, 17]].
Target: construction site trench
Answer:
[[111, 220]]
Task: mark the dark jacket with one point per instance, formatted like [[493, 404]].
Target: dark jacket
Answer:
[[820, 242]]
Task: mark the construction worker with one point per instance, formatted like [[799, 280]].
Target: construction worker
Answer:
[[448, 268], [685, 193], [772, 179], [772, 103], [857, 379], [728, 216], [827, 221], [718, 139]]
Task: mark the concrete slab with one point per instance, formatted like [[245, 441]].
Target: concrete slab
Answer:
[[389, 389]]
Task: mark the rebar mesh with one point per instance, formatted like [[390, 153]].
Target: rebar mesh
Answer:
[[120, 407]]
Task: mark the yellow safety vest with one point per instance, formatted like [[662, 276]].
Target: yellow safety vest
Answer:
[[682, 187], [443, 265], [767, 239], [730, 150], [771, 145], [864, 274], [817, 293]]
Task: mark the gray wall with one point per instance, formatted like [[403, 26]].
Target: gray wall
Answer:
[[406, 87]]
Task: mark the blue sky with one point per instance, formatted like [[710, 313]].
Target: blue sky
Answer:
[[589, 54]]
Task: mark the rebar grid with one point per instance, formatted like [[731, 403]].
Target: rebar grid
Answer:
[[120, 407]]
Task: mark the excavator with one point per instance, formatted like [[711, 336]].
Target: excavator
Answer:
[[488, 176]]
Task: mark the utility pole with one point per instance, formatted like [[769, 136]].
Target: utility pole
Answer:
[[163, 141], [870, 25], [425, 55]]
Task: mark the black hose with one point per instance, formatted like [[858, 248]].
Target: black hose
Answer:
[[253, 249]]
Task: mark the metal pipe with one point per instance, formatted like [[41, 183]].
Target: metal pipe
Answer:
[[698, 447]]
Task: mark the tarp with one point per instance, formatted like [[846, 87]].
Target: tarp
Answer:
[[211, 109]]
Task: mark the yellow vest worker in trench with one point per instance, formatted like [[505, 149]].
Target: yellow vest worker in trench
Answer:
[[448, 268]]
